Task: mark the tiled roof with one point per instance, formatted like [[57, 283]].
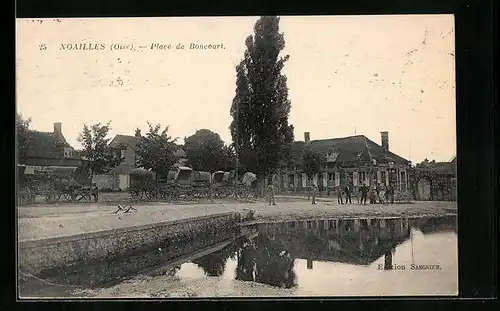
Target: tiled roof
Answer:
[[350, 149], [45, 145], [127, 140]]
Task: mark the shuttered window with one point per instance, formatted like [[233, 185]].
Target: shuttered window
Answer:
[[355, 177]]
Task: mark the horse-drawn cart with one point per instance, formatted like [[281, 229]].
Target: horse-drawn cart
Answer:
[[202, 184], [54, 183], [142, 184], [221, 184]]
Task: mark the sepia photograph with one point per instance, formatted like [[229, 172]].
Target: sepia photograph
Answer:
[[236, 156]]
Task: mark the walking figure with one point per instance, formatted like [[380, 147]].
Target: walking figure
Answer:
[[270, 189], [314, 192], [339, 195], [347, 194]]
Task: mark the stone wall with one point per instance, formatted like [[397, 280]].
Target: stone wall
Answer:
[[102, 256], [106, 181]]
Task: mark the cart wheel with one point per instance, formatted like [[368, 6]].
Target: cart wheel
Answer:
[[149, 194], [136, 194], [67, 196], [50, 197]]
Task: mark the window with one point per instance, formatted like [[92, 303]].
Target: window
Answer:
[[348, 177], [362, 177], [68, 152], [331, 156], [122, 153], [383, 177]]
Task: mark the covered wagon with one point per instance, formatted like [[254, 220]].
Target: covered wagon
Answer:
[[55, 183], [202, 184], [142, 184], [222, 184], [247, 185]]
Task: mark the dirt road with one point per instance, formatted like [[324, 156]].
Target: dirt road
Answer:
[[47, 221]]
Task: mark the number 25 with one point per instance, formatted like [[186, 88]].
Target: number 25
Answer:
[[43, 47]]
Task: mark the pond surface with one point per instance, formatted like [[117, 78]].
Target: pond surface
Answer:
[[340, 257], [327, 257]]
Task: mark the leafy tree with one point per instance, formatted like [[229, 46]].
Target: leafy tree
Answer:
[[260, 109], [205, 151], [311, 162], [98, 157], [156, 151], [22, 143]]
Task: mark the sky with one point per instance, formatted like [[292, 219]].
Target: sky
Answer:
[[346, 75]]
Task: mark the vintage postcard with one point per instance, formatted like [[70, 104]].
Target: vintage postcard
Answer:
[[256, 156]]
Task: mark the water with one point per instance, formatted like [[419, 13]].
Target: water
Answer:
[[346, 257], [332, 257]]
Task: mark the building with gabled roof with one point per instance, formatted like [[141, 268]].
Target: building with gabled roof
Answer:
[[354, 160], [119, 177], [49, 151]]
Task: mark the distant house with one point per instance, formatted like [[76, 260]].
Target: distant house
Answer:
[[435, 181], [49, 151], [119, 177], [354, 160]]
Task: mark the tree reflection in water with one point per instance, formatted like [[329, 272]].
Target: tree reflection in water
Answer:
[[269, 258], [266, 260], [214, 264]]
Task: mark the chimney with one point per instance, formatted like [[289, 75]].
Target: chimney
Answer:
[[307, 137], [58, 128], [385, 140]]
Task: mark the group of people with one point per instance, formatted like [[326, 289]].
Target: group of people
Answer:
[[377, 194]]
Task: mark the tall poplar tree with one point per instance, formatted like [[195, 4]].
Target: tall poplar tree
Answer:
[[260, 109]]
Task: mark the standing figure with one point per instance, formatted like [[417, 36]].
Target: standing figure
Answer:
[[339, 195], [364, 194], [314, 192], [390, 194], [347, 190], [382, 195], [377, 192], [270, 189], [373, 196]]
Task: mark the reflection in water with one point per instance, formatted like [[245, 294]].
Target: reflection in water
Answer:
[[214, 264], [323, 257], [266, 260], [271, 257]]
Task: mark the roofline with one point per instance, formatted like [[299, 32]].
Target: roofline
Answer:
[[365, 138], [325, 139]]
